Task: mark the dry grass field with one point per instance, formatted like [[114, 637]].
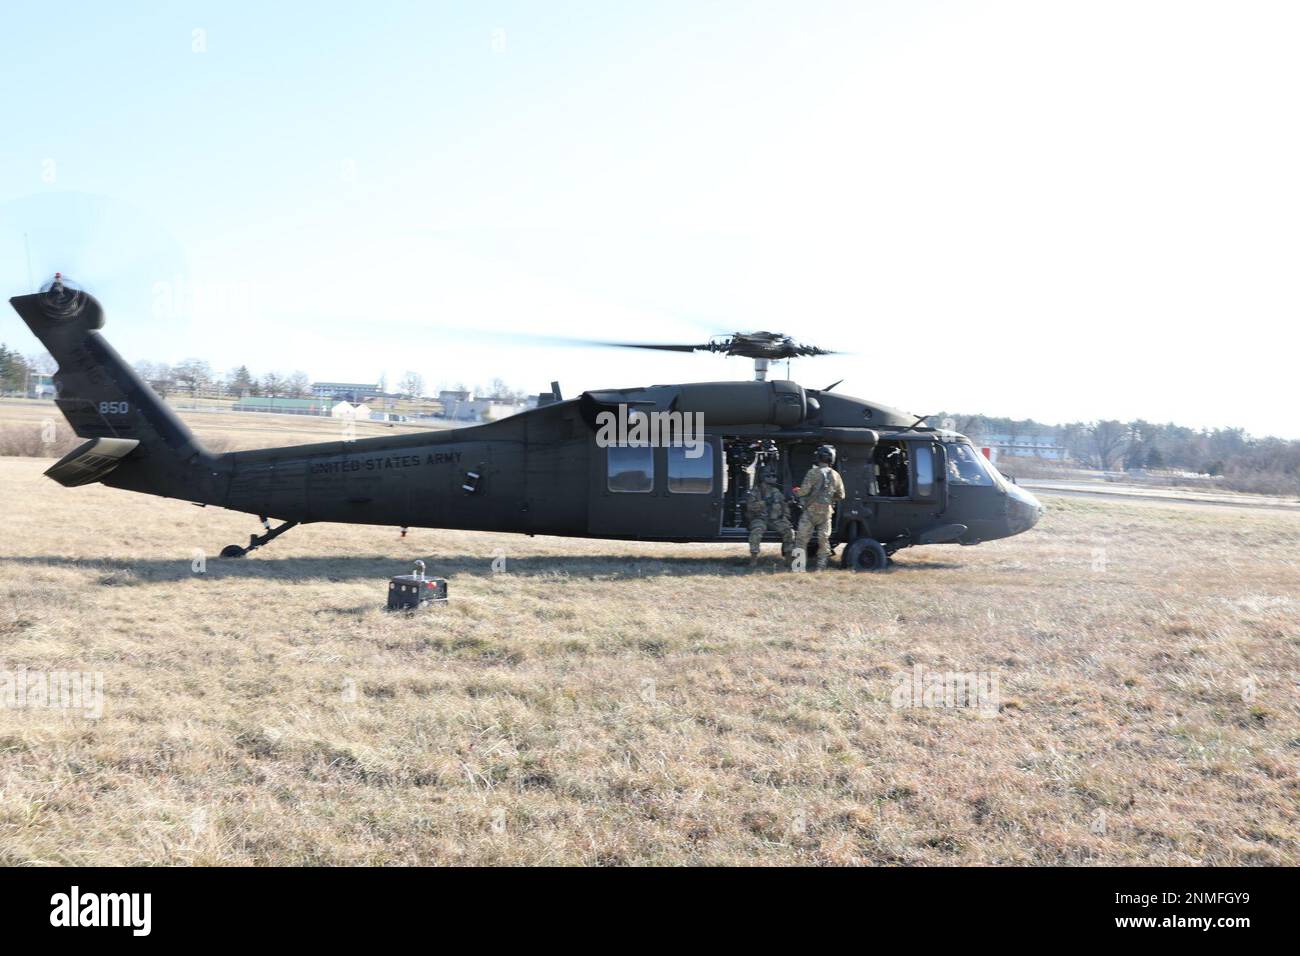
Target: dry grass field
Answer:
[[610, 703]]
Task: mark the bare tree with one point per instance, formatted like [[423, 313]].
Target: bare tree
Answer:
[[193, 374], [412, 385], [1108, 437], [273, 385], [1073, 437], [298, 385], [158, 375], [499, 389], [42, 363]]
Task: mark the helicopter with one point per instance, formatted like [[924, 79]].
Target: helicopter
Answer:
[[586, 467]]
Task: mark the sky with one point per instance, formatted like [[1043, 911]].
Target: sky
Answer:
[[1066, 211]]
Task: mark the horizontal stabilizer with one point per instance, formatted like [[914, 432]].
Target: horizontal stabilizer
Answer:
[[91, 461]]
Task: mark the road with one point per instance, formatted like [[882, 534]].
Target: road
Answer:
[[1156, 495]]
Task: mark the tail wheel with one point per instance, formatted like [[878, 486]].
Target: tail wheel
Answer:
[[866, 554]]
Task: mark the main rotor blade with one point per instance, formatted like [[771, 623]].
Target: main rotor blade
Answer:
[[575, 342], [649, 345], [745, 345]]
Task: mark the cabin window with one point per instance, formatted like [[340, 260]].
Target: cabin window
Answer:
[[924, 464], [631, 468], [687, 475]]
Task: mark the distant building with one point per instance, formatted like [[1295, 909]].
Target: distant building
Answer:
[[40, 385], [349, 391], [352, 411], [212, 390], [1022, 446], [283, 406], [454, 403], [452, 400], [488, 409]]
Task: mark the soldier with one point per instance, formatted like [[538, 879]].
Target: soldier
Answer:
[[767, 510], [820, 491]]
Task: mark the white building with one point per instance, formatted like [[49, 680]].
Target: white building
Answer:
[[40, 385], [482, 409], [1022, 446], [355, 391], [351, 411]]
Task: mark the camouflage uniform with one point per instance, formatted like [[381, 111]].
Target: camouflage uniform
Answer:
[[767, 511], [821, 490]]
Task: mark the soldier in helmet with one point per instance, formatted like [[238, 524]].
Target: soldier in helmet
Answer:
[[820, 491], [767, 510]]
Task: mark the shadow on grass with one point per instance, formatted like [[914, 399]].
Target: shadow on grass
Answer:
[[121, 572], [124, 572]]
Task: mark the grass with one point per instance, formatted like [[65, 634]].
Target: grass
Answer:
[[609, 703]]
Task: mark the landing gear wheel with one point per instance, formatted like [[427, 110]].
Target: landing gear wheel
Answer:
[[256, 541], [865, 554]]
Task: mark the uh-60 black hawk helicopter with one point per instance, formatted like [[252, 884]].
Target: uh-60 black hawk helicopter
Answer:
[[546, 470]]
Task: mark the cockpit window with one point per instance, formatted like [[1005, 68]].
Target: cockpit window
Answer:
[[966, 466]]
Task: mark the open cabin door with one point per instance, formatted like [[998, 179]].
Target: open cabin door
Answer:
[[664, 493], [899, 484]]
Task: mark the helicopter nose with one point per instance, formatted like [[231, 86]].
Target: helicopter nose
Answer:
[[1023, 510]]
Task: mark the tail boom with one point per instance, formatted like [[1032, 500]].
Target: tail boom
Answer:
[[135, 440]]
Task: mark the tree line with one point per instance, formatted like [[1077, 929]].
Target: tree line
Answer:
[[193, 375], [1245, 462], [15, 368]]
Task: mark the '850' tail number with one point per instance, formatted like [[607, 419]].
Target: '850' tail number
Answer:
[[114, 408]]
